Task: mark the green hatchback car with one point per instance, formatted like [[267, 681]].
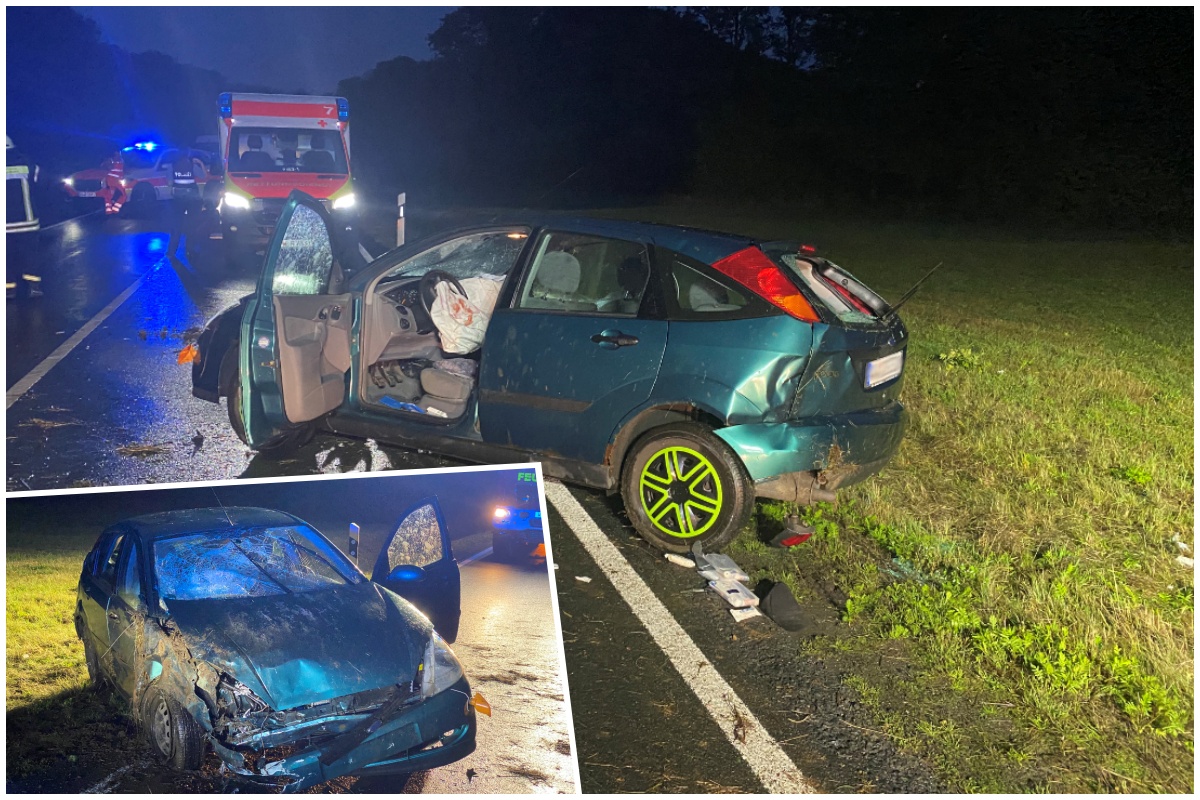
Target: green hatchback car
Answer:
[[691, 371]]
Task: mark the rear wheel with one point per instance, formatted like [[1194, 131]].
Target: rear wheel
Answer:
[[171, 731], [231, 384], [682, 485]]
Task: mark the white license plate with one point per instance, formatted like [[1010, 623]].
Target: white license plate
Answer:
[[86, 194], [882, 370]]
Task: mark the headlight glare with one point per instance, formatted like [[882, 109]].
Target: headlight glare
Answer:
[[345, 201], [235, 201]]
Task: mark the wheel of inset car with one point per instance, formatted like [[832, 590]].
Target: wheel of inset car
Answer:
[[231, 384], [681, 484], [171, 731]]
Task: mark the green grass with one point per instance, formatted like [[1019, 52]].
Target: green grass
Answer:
[[1022, 544]]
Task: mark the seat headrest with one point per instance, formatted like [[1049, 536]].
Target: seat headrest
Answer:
[[317, 141], [701, 296], [254, 141], [559, 272]]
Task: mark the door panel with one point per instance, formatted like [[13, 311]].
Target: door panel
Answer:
[[287, 375], [417, 562], [314, 353], [559, 383]]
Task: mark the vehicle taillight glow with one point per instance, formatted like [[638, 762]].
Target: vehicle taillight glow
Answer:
[[758, 273]]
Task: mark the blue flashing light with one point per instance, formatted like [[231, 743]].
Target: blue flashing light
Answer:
[[225, 104], [149, 147], [343, 109]]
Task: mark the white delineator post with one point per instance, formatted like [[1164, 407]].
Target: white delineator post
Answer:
[[400, 219]]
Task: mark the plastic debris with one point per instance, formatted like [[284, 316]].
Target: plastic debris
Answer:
[[743, 614], [794, 533], [481, 705], [583, 578], [719, 567], [678, 560], [734, 593], [188, 354], [1185, 561], [780, 605]]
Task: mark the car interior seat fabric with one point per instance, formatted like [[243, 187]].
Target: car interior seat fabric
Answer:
[[318, 158], [708, 297], [254, 158], [447, 385], [556, 282]]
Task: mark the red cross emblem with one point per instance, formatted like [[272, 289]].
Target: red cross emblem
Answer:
[[322, 123]]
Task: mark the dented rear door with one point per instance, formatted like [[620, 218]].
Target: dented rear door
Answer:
[[417, 562]]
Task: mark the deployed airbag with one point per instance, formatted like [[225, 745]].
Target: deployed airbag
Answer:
[[461, 319]]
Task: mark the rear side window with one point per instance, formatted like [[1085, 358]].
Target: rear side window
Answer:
[[129, 587], [587, 274], [109, 558], [697, 292]]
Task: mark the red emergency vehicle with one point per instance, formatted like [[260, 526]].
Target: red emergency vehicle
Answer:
[[135, 177], [272, 144]]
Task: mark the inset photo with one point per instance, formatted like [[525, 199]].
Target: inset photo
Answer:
[[379, 633]]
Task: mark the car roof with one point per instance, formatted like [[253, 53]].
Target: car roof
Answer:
[[150, 527], [704, 245]]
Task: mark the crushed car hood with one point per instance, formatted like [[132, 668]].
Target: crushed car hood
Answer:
[[309, 647]]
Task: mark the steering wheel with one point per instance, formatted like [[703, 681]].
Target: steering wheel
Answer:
[[428, 288]]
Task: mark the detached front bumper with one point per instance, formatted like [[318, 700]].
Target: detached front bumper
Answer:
[[805, 461], [433, 733]]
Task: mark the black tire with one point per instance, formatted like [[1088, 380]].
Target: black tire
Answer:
[[231, 386], [93, 665], [712, 506], [170, 730]]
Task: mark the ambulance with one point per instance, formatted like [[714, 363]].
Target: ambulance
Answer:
[[136, 177], [274, 143]]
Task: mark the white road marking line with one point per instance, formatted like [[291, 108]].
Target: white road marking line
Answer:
[[72, 219], [37, 373], [761, 752], [476, 557]]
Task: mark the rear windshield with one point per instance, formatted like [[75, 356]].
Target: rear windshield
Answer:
[[286, 150], [848, 305], [252, 563]]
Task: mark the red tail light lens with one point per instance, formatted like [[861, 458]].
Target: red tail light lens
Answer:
[[758, 273]]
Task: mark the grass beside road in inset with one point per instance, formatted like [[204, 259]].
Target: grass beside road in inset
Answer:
[[1021, 549]]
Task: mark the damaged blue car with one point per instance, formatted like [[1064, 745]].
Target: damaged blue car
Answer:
[[246, 631], [691, 371]]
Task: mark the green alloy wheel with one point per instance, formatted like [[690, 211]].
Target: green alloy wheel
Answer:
[[681, 484]]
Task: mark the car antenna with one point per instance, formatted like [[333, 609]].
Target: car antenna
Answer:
[[908, 295], [223, 508]]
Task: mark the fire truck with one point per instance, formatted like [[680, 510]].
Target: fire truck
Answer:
[[133, 178], [272, 144]]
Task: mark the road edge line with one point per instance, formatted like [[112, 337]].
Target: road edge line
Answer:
[[476, 557], [765, 757], [18, 389]]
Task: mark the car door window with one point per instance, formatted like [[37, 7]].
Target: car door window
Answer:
[[305, 260], [418, 540], [585, 273], [108, 568], [129, 584]]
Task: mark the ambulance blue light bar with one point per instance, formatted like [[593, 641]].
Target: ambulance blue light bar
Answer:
[[225, 104], [343, 109]]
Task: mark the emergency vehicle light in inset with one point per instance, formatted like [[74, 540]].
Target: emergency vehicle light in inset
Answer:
[[225, 104], [343, 108]]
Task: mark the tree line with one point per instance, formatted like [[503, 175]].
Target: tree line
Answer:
[[1061, 116]]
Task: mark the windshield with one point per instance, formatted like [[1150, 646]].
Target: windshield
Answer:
[[489, 253], [287, 150], [251, 563]]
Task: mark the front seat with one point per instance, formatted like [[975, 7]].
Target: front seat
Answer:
[[254, 159], [317, 159], [556, 283]]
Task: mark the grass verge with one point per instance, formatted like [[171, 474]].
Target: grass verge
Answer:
[[1027, 547]]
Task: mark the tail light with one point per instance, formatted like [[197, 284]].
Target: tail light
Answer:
[[758, 273]]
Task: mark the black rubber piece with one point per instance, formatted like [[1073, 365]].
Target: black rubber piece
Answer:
[[782, 608]]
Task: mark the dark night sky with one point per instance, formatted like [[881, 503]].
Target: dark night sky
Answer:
[[321, 46]]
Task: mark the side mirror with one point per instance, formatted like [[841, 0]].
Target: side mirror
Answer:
[[407, 573], [355, 530]]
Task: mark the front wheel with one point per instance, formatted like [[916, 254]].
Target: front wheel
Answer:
[[682, 485], [231, 385], [171, 731]]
